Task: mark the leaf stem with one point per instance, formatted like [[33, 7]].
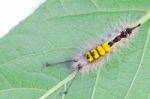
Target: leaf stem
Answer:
[[145, 18], [60, 84]]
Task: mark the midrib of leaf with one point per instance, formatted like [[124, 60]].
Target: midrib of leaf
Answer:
[[140, 64], [60, 84], [70, 77]]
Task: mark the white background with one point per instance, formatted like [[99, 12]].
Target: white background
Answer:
[[13, 11]]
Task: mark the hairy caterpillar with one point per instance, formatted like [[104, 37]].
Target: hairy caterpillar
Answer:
[[84, 61]]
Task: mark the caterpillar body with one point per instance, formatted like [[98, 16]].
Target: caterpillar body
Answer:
[[83, 62]]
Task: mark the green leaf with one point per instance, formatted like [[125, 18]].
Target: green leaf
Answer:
[[57, 30]]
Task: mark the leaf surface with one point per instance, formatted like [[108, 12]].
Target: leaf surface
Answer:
[[57, 30]]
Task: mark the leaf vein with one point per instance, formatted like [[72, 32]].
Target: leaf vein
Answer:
[[96, 82]]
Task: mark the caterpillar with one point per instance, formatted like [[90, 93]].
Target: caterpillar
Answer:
[[81, 62], [84, 61]]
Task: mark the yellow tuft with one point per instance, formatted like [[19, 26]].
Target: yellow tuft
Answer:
[[106, 47], [101, 50], [94, 54], [89, 57]]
